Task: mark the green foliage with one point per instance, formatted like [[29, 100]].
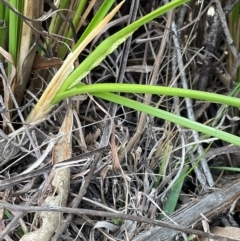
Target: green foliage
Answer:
[[232, 169], [174, 193], [10, 29], [76, 18], [102, 91], [110, 44], [101, 13], [72, 86]]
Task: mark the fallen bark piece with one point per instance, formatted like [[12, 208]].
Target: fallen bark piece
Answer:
[[49, 223], [60, 183], [187, 216], [228, 232]]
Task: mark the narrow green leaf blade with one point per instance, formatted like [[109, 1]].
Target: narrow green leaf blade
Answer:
[[101, 13], [170, 117], [171, 203], [147, 89], [111, 43]]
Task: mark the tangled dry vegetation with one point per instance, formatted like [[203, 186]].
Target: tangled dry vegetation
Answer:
[[68, 166]]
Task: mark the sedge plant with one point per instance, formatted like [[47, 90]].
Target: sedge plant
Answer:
[[16, 43], [78, 12], [67, 81], [174, 193]]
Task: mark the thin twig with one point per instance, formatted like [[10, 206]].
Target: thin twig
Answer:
[[190, 112], [176, 106], [225, 29], [38, 154], [79, 211], [153, 81], [125, 53], [16, 218], [61, 228]]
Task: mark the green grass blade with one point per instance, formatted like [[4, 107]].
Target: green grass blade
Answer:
[[3, 26], [162, 164], [171, 203], [13, 31], [101, 13], [77, 16], [236, 14], [57, 21], [169, 117], [111, 43], [148, 89], [231, 169], [2, 10]]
